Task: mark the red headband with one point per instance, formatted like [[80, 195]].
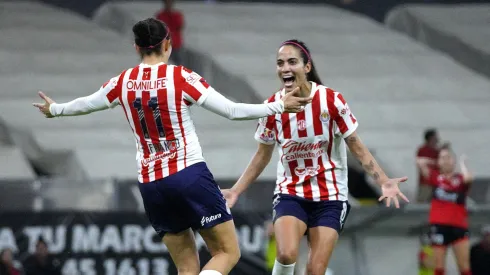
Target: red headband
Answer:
[[153, 46], [299, 46]]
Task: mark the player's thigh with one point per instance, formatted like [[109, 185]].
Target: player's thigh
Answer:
[[322, 242], [440, 238], [288, 231], [325, 223], [182, 248], [221, 238], [290, 219], [461, 248]]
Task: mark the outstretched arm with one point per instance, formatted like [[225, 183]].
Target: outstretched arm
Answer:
[[80, 106], [220, 105], [368, 162], [389, 186], [106, 97], [198, 91]]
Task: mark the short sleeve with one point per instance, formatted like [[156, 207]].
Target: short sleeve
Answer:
[[265, 131], [344, 118], [111, 91], [195, 87]]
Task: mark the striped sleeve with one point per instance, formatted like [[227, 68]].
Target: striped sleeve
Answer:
[[111, 90], [344, 118], [194, 86], [265, 132]]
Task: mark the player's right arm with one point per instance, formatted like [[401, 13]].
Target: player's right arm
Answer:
[[197, 90], [106, 97], [266, 138], [467, 175]]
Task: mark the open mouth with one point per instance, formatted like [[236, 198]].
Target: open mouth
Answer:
[[288, 81]]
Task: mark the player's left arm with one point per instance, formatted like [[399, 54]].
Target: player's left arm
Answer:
[[467, 175], [347, 124], [362, 154], [106, 97]]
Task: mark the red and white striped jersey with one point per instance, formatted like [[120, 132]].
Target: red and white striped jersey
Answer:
[[156, 100], [313, 156]]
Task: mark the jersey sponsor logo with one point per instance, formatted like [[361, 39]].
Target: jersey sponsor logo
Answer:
[[145, 85], [267, 135], [193, 78], [301, 125], [442, 194], [293, 150], [344, 110], [209, 219], [310, 171], [164, 150], [324, 117]]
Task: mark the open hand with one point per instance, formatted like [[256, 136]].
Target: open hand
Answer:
[[44, 107], [390, 191]]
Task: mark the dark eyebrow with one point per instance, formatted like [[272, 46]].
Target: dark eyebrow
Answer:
[[289, 59]]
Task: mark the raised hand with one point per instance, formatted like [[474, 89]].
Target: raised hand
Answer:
[[390, 191], [44, 107]]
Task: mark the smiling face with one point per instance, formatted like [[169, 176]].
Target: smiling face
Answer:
[[291, 67]]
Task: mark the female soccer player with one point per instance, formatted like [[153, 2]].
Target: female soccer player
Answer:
[[178, 190], [311, 191], [448, 217]]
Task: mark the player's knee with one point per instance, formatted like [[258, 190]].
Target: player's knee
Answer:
[[231, 253], [234, 254], [287, 256]]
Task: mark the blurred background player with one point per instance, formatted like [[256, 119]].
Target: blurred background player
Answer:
[[448, 216], [175, 23], [41, 262], [8, 266], [156, 98], [480, 254], [311, 191], [430, 151]]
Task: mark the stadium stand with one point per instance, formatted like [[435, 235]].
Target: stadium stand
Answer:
[[461, 31], [68, 56], [395, 86]]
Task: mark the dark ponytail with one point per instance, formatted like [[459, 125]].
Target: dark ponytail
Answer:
[[149, 36], [306, 56]]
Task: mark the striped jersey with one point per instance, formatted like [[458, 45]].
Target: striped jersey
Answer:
[[313, 156], [156, 100]]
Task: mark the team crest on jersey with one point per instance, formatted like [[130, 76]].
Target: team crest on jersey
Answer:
[[324, 117], [301, 125]]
